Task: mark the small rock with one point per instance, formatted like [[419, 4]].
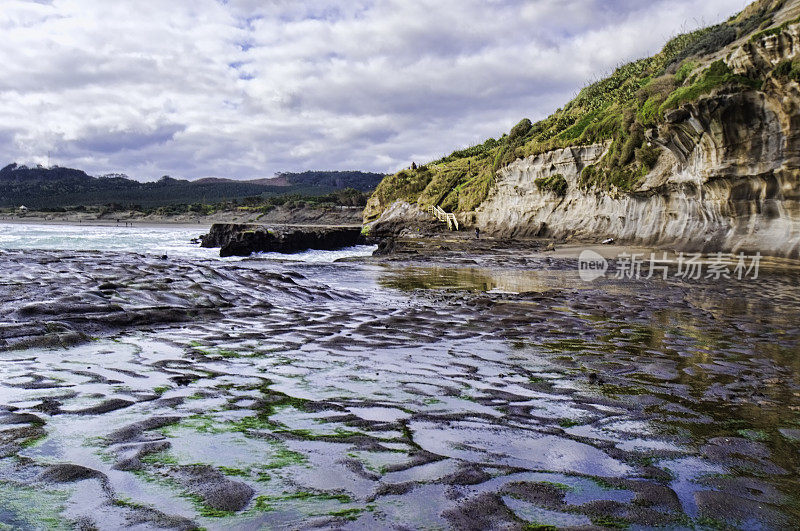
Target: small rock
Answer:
[[67, 473], [216, 490]]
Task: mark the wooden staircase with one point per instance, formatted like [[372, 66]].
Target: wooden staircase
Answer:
[[445, 217]]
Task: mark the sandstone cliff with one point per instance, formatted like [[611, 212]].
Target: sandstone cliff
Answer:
[[725, 174]]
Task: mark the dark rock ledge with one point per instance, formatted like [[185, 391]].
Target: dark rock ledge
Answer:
[[235, 239]]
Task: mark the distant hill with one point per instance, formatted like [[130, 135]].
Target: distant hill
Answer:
[[334, 180], [40, 187]]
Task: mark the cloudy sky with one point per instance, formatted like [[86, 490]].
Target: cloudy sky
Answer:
[[247, 88]]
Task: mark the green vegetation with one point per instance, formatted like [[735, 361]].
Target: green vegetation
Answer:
[[616, 111], [266, 503], [788, 69], [347, 514], [717, 74], [777, 30], [33, 441], [127, 502], [684, 71], [555, 183], [163, 457], [610, 522], [33, 508], [604, 483]]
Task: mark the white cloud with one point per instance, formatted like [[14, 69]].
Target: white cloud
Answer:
[[245, 88]]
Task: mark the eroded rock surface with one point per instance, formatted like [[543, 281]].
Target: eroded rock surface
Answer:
[[728, 176], [409, 395], [728, 180], [244, 240]]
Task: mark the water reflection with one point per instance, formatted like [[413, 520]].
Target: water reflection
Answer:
[[477, 279], [447, 396], [705, 369]]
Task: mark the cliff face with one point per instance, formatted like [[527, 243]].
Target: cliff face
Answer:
[[727, 176]]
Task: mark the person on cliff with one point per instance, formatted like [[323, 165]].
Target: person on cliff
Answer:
[[477, 233]]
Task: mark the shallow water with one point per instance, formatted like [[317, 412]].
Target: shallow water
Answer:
[[376, 396]]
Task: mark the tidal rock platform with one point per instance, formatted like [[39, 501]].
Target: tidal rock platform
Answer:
[[235, 239]]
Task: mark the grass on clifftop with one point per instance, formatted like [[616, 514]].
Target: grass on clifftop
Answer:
[[616, 110]]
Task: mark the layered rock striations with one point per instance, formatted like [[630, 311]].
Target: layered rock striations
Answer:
[[727, 176]]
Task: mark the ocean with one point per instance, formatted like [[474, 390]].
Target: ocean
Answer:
[[173, 241]]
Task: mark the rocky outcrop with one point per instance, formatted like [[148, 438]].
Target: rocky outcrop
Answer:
[[244, 240], [517, 208], [727, 179], [402, 218]]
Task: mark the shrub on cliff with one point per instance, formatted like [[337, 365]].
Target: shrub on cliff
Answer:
[[555, 183], [788, 69], [520, 130], [717, 74], [648, 156]]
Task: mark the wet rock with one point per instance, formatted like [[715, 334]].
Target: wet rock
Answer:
[[385, 246], [131, 458], [39, 335], [741, 512], [244, 240], [49, 405], [135, 430], [719, 447], [746, 487], [791, 434], [467, 475], [68, 473], [542, 494], [654, 495], [595, 379], [149, 517], [358, 468], [12, 439], [653, 472], [483, 512], [21, 418], [185, 379], [604, 509], [393, 489], [743, 454], [216, 490], [105, 406], [677, 116]]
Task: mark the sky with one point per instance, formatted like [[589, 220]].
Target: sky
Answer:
[[249, 88]]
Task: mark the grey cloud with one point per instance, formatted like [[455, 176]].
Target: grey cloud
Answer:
[[110, 141], [246, 88]]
